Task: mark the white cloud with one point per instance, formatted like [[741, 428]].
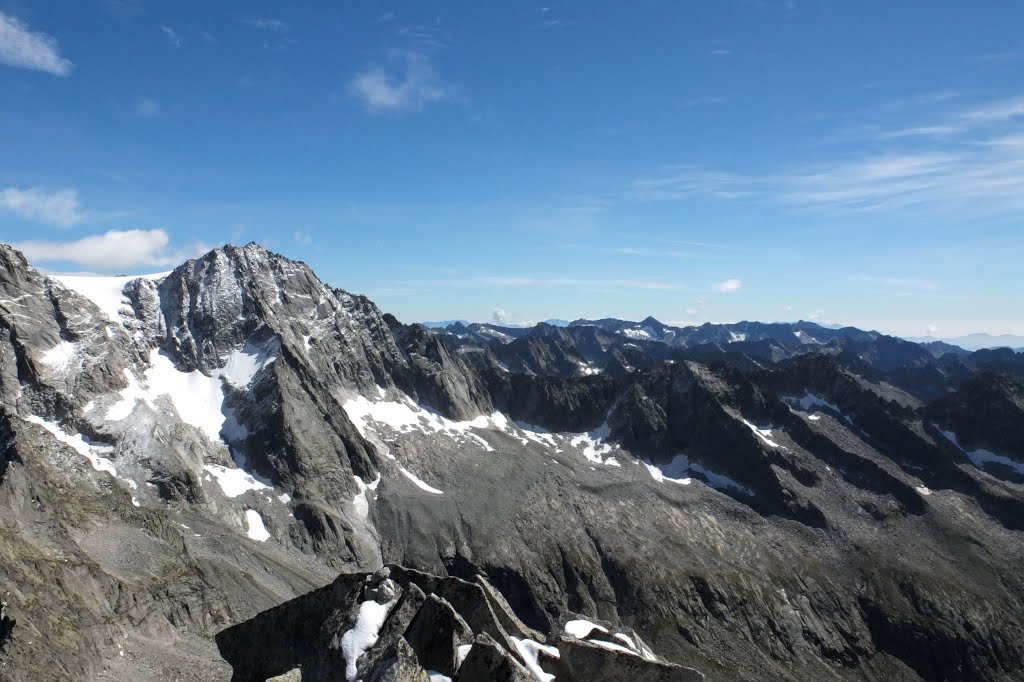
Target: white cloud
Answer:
[[728, 286], [703, 100], [303, 235], [112, 250], [26, 49], [172, 36], [36, 204], [148, 108], [501, 316], [408, 83], [933, 330], [275, 25], [816, 315]]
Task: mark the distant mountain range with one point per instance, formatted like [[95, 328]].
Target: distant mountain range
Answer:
[[653, 330], [977, 341]]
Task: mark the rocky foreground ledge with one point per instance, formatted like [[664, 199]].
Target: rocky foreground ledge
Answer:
[[401, 625]]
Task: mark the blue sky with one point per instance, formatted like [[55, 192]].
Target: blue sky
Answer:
[[858, 163]]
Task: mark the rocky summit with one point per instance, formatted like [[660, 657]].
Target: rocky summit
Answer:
[[234, 470]]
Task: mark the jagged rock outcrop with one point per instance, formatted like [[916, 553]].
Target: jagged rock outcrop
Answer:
[[395, 624]]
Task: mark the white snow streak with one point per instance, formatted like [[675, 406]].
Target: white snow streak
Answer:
[[530, 651], [764, 433], [419, 482], [256, 530], [93, 453], [363, 634]]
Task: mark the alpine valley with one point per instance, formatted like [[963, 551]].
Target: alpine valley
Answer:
[[235, 470]]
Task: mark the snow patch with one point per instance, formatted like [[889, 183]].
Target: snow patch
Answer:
[[256, 530], [363, 634], [359, 502], [197, 398], [61, 358], [595, 446], [530, 652], [804, 337], [679, 469], [809, 401], [235, 482], [675, 471], [107, 293], [461, 653], [243, 364], [923, 490], [640, 333], [981, 457], [405, 416], [581, 628], [537, 434]]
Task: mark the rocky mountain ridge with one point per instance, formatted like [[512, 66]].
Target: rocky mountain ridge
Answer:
[[185, 451]]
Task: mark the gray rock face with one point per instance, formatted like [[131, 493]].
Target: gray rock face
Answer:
[[180, 453], [487, 661], [582, 660], [399, 664], [436, 633]]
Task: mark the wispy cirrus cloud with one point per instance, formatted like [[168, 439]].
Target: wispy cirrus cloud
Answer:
[[24, 48], [971, 160], [277, 34], [898, 282], [703, 100], [407, 81], [512, 281], [114, 249], [172, 36], [266, 24], [60, 207]]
